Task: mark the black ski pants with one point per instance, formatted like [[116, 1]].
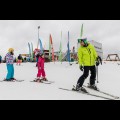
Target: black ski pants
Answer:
[[92, 69]]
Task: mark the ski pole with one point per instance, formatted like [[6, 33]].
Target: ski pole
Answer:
[[97, 73]]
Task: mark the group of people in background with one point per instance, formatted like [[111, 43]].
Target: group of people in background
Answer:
[[87, 59], [19, 60]]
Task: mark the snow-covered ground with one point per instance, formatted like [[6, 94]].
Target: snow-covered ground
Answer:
[[63, 75]]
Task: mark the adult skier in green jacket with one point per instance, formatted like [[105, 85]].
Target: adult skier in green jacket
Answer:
[[87, 57]]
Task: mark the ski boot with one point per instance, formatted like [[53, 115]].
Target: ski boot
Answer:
[[13, 79], [81, 89], [7, 80], [94, 87], [44, 79], [37, 80]]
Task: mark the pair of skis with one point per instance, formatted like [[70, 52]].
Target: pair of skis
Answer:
[[90, 94], [12, 81], [105, 93], [43, 81]]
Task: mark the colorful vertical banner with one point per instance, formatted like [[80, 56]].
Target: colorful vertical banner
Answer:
[[51, 42], [68, 45], [60, 49], [49, 49], [29, 50], [81, 34], [41, 46], [60, 52], [38, 37], [32, 54]]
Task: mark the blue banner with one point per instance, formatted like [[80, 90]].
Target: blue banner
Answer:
[[68, 45], [41, 46]]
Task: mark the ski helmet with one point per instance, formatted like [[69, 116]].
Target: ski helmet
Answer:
[[84, 40], [10, 50]]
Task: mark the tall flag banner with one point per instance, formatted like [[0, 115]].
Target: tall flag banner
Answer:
[[68, 45], [81, 34], [38, 36], [41, 46], [49, 49], [32, 51], [45, 46], [60, 52], [60, 49], [51, 42], [29, 50]]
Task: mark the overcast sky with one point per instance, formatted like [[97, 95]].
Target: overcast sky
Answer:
[[17, 34]]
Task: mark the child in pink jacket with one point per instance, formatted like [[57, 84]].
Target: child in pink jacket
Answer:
[[41, 71]]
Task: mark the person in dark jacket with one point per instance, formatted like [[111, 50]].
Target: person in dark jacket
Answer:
[[19, 60]]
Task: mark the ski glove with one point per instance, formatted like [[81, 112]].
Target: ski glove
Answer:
[[81, 67], [97, 63]]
